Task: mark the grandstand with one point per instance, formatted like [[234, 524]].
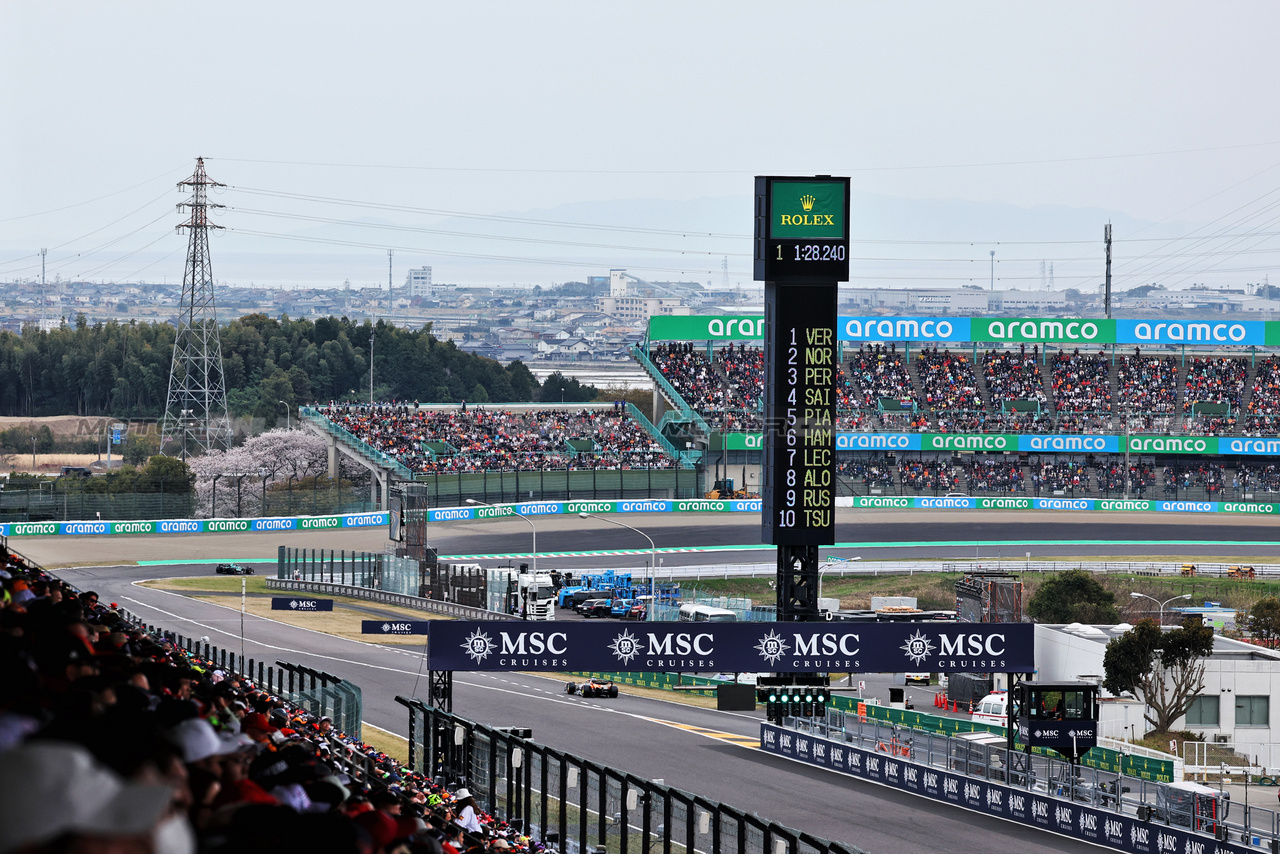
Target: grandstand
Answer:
[[1010, 390], [434, 440], [910, 413]]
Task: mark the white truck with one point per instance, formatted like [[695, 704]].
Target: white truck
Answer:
[[537, 596]]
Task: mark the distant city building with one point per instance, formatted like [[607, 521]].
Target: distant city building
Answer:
[[617, 283], [944, 301], [639, 309], [417, 283]]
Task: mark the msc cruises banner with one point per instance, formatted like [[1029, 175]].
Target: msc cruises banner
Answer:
[[745, 647], [1116, 830], [984, 330]]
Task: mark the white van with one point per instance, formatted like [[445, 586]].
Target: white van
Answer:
[[706, 614], [994, 709]]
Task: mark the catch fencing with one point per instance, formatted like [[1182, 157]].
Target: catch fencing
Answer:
[[577, 806]]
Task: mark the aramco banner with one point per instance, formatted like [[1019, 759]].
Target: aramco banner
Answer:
[[988, 330], [742, 647]]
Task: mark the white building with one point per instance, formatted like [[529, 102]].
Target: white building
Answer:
[[1234, 706], [638, 310], [417, 283]]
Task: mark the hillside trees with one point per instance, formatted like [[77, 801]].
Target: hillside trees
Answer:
[[1074, 596], [122, 369]]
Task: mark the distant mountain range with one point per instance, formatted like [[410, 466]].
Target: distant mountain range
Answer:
[[898, 242]]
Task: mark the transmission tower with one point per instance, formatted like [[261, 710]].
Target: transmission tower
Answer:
[[195, 411]]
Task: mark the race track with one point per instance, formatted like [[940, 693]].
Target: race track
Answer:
[[691, 748]]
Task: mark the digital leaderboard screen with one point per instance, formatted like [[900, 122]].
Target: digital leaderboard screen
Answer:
[[800, 386], [801, 254]]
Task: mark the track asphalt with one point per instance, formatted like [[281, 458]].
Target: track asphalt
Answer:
[[694, 749]]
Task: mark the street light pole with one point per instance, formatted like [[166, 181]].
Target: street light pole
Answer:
[[288, 416], [1136, 595], [653, 557], [518, 516]]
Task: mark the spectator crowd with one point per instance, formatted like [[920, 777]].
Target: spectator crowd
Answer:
[[502, 440], [947, 380], [1073, 388], [113, 739], [1262, 416], [1081, 383], [1013, 376]]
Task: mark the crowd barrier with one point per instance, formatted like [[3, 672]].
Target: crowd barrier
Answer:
[[650, 505], [1117, 812]]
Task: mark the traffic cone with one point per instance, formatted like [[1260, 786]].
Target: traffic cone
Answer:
[[971, 707]]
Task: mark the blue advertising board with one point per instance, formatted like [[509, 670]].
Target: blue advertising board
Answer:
[[744, 647], [299, 604], [395, 627], [1110, 829]]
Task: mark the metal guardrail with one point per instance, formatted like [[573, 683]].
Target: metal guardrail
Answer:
[[431, 606], [578, 806]]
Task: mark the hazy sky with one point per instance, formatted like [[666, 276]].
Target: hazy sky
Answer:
[[1152, 112]]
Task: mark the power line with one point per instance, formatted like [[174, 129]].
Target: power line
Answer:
[[89, 201], [519, 171]]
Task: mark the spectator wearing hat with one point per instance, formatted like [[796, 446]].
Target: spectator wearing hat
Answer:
[[468, 812], [57, 797]]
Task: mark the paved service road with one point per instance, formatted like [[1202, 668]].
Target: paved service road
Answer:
[[695, 749]]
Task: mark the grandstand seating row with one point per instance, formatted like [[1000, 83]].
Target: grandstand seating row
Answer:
[[433, 441], [1007, 391]]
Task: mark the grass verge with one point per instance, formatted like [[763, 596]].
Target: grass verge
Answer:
[[343, 621]]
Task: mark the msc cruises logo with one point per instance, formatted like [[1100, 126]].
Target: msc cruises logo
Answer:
[[772, 647], [478, 645], [918, 648], [625, 647]]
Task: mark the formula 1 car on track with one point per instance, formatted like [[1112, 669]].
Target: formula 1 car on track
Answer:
[[233, 569], [592, 688]]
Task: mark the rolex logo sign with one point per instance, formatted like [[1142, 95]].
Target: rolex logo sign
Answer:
[[808, 209]]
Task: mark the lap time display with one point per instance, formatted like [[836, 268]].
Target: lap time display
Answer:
[[802, 230]]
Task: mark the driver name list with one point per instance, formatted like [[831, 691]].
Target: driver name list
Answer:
[[803, 455]]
